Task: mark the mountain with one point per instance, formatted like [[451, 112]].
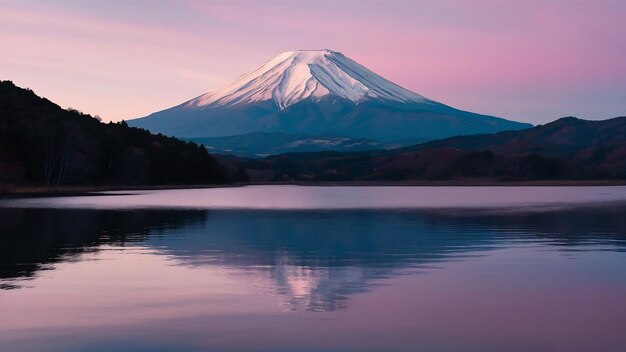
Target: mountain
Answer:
[[319, 93], [568, 148], [567, 137], [262, 144], [43, 144]]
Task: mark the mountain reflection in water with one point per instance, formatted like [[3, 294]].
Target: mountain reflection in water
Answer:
[[316, 259]]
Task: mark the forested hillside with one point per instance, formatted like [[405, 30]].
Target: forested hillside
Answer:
[[565, 149], [43, 144]]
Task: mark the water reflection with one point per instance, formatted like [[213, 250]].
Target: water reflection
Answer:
[[325, 280], [315, 259], [35, 239]]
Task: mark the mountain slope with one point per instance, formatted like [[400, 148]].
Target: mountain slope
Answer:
[[319, 92], [568, 148], [43, 144], [261, 144]]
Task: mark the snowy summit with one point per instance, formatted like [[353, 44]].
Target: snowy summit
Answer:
[[315, 94], [294, 76]]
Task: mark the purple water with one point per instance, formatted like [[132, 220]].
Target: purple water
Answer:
[[379, 269]]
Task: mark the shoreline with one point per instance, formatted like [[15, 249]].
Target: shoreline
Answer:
[[446, 183], [42, 191], [56, 191]]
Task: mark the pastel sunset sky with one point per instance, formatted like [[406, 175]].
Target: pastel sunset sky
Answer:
[[531, 61]]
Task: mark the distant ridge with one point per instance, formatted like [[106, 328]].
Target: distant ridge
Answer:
[[566, 149]]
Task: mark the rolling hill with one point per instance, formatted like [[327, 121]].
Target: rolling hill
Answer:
[[568, 148], [43, 144]]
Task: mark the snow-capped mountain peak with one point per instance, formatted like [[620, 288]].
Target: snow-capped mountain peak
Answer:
[[294, 76]]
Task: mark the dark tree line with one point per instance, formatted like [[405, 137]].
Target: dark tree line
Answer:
[[43, 144]]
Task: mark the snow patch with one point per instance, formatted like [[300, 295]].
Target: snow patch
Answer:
[[294, 76]]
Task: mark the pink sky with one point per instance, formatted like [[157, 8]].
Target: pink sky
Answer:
[[530, 60]]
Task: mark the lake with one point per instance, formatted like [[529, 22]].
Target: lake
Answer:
[[289, 268]]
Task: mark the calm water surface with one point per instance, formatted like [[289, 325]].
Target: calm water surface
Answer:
[[316, 269]]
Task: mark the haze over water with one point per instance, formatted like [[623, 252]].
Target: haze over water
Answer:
[[284, 268]]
